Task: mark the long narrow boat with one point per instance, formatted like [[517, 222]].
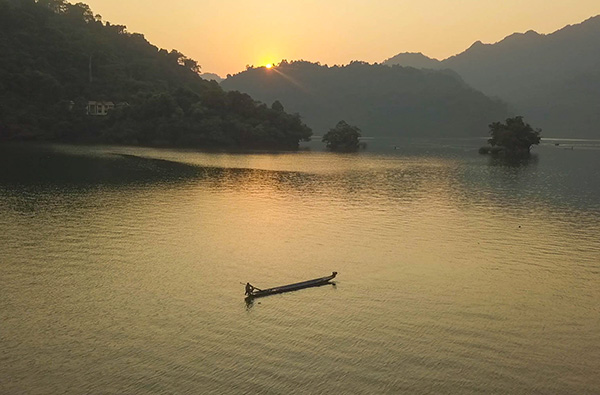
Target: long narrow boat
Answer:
[[253, 292]]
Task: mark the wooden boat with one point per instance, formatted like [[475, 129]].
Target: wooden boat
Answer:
[[253, 292]]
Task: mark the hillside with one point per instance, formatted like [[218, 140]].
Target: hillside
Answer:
[[58, 57], [211, 77], [381, 100], [412, 59], [551, 79]]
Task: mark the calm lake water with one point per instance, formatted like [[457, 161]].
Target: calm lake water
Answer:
[[121, 270]]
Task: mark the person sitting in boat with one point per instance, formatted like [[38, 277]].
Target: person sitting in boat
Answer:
[[250, 289]]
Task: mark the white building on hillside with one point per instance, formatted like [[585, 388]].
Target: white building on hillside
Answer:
[[99, 107]]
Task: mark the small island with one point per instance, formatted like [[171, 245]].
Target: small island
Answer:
[[513, 138], [342, 138]]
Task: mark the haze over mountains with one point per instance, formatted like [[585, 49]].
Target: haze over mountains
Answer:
[[414, 59], [381, 100], [553, 80], [211, 77], [60, 57]]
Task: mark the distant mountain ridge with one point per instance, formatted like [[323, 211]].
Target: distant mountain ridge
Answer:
[[382, 101], [413, 59], [552, 79], [211, 77]]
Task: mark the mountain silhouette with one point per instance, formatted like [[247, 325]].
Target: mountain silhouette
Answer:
[[551, 79], [381, 100], [414, 59], [211, 77]]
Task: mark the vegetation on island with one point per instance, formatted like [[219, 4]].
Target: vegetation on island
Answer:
[[342, 138], [57, 57], [515, 137]]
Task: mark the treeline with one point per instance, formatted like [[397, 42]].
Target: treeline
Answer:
[[57, 56], [382, 101]]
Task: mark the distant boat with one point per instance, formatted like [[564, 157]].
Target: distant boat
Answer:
[[253, 292]]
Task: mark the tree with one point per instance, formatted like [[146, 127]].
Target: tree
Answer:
[[514, 137], [343, 137], [192, 65], [57, 6], [277, 106]]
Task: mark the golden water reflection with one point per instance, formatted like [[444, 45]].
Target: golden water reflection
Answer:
[[455, 276]]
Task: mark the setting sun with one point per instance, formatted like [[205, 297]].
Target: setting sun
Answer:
[[268, 65]]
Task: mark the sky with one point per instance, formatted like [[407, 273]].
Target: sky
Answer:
[[226, 35]]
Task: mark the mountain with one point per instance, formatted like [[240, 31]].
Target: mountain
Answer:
[[211, 77], [413, 59], [66, 75], [551, 79], [381, 100]]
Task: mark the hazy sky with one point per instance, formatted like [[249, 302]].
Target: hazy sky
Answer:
[[225, 35]]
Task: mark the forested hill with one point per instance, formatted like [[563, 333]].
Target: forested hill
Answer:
[[416, 60], [57, 57], [382, 101], [551, 79]]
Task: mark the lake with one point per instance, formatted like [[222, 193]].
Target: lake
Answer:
[[121, 270]]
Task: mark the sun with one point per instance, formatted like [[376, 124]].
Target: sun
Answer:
[[268, 65]]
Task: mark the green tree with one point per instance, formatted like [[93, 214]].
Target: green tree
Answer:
[[192, 65], [515, 136], [343, 137]]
